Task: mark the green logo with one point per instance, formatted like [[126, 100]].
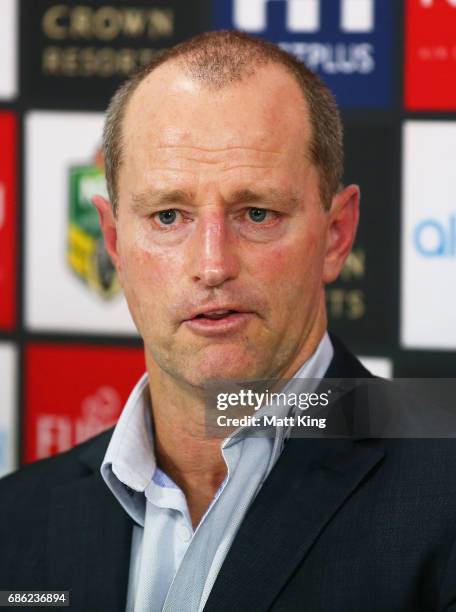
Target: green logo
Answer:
[[86, 251]]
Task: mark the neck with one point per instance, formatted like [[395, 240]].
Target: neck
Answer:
[[183, 452]]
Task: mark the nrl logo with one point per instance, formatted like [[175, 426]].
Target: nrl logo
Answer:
[[86, 251]]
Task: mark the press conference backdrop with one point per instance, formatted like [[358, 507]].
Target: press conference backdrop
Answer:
[[69, 353]]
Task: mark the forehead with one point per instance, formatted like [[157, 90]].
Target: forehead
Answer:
[[263, 113]]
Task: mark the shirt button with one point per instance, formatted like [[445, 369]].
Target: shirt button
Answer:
[[185, 533]]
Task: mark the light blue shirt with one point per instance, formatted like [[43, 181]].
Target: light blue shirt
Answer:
[[172, 566]]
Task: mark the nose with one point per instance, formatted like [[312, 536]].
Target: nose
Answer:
[[214, 260]]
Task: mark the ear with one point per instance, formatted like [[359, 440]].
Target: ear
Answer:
[[108, 227], [341, 232]]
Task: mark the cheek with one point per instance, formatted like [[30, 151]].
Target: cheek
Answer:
[[145, 279], [146, 266], [291, 267]]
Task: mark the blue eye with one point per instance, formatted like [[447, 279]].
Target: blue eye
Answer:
[[167, 217], [257, 215]]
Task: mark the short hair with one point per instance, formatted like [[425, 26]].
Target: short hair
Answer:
[[218, 59]]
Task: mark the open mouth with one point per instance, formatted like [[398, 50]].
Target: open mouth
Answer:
[[218, 321], [216, 314]]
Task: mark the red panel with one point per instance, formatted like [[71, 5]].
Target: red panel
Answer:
[[430, 55], [74, 392], [8, 152]]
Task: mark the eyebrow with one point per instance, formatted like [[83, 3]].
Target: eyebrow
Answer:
[[268, 198], [158, 198], [163, 198]]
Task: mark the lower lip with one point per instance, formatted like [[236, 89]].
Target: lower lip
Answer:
[[214, 327]]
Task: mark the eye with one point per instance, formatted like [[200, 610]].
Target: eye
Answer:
[[257, 215], [167, 217]]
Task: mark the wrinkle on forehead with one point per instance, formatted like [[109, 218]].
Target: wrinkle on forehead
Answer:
[[214, 149], [207, 142], [165, 168], [262, 111], [181, 157]]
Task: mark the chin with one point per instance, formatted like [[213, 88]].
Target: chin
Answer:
[[199, 367], [226, 365]]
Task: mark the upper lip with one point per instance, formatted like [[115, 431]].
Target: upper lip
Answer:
[[214, 309]]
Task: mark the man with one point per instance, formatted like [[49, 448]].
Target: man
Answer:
[[226, 220]]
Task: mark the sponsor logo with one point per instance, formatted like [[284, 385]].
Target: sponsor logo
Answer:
[[56, 433], [100, 379], [304, 15], [428, 316], [430, 54], [86, 251], [104, 23], [345, 302], [346, 39], [75, 54], [436, 237], [117, 29]]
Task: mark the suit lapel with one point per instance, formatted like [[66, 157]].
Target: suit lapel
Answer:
[[309, 483], [89, 538], [344, 364]]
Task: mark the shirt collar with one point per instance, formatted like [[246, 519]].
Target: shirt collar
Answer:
[[129, 463]]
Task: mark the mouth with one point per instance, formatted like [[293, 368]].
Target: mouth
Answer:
[[218, 321], [216, 315]]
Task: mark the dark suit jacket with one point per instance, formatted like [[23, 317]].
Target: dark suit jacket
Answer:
[[340, 525]]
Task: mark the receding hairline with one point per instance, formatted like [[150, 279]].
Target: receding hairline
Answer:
[[217, 60], [211, 87]]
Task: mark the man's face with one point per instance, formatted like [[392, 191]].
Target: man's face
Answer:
[[221, 239]]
